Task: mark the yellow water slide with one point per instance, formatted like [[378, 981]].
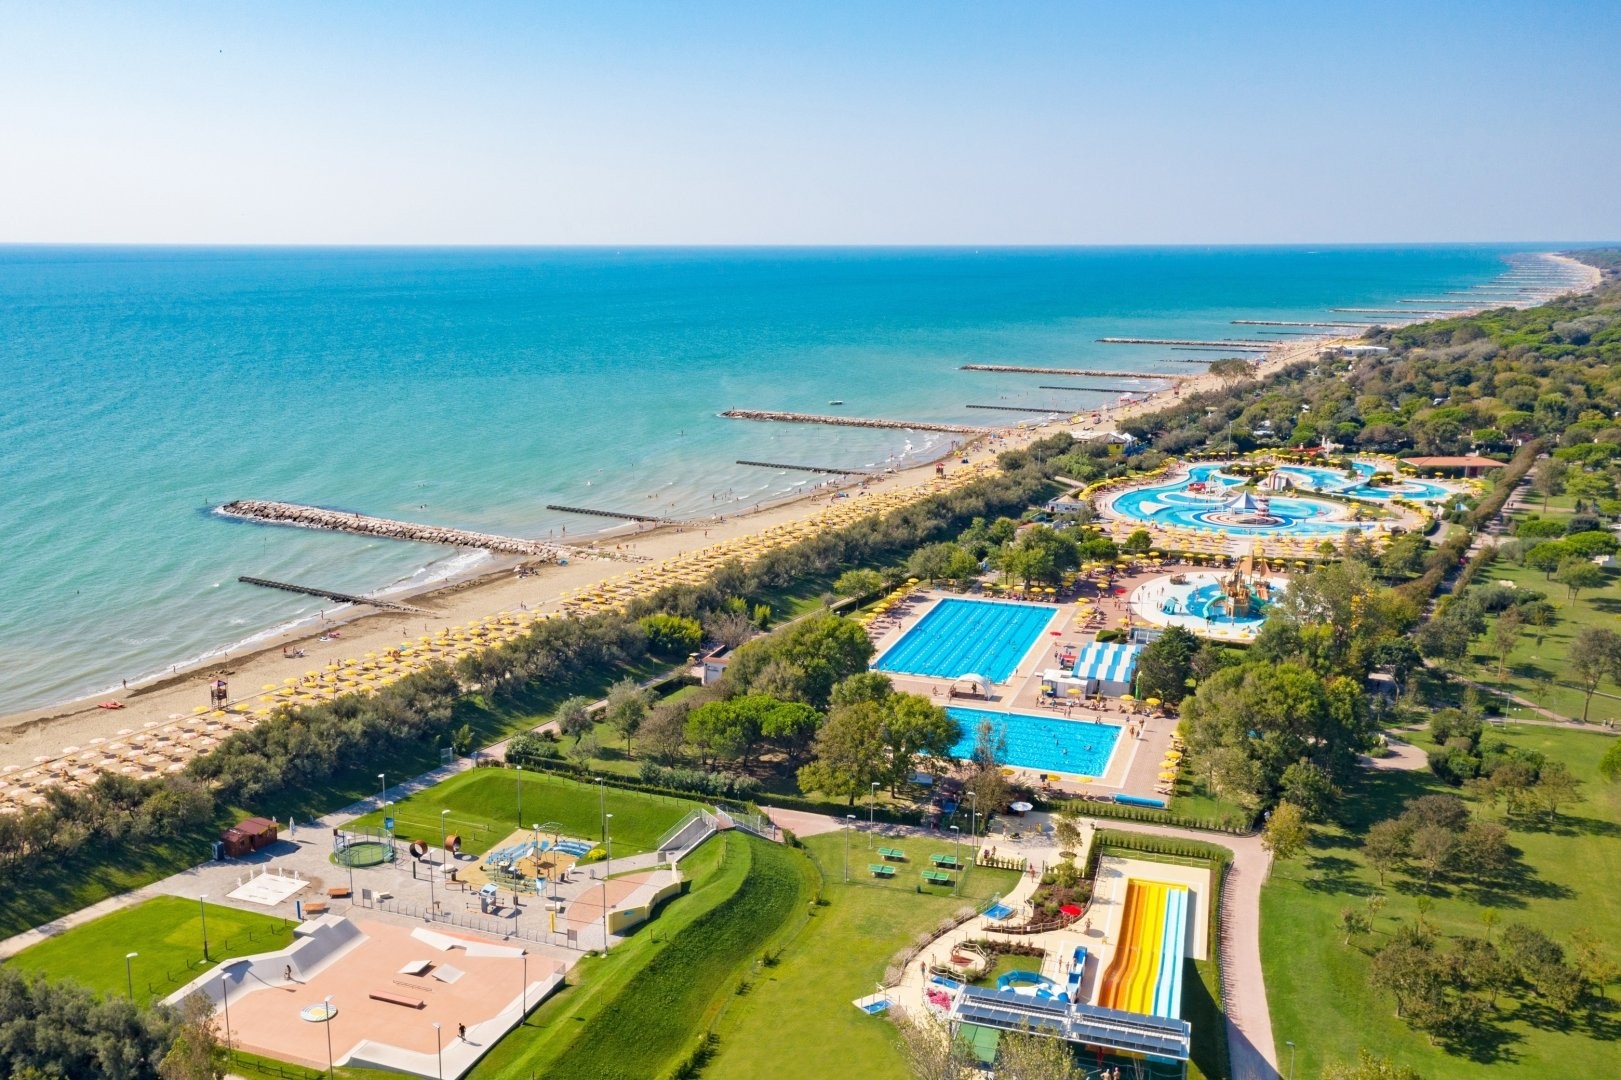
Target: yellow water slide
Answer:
[[1133, 973]]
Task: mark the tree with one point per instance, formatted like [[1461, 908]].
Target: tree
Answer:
[[1285, 833], [1433, 848], [1309, 787], [1594, 656], [864, 686], [931, 561], [1355, 922], [627, 708], [791, 725], [1576, 573], [915, 727], [1385, 846], [196, 1053], [1547, 556], [849, 752], [585, 749], [932, 1054], [859, 582], [1166, 664], [1549, 479], [671, 635], [1592, 960], [1505, 635], [1023, 1056], [1231, 370], [1609, 766], [664, 732], [1555, 787], [1067, 832], [574, 716], [732, 728], [1368, 1066], [818, 651], [1138, 543]]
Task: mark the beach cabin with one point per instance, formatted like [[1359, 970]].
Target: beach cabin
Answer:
[[248, 836], [709, 670]]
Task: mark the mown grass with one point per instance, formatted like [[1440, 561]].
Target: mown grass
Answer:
[[1568, 877], [639, 1011], [167, 932], [483, 805], [797, 1019]]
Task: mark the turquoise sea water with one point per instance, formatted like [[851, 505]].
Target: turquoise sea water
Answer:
[[472, 387]]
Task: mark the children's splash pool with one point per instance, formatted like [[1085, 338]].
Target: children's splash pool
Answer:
[[1205, 602], [1044, 743]]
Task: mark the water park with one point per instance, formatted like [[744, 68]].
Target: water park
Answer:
[[1229, 605], [961, 637]]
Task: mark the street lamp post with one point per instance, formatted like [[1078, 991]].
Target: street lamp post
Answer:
[[1291, 1045], [129, 978], [382, 790], [202, 909], [517, 779], [602, 807], [956, 847], [523, 991], [607, 871], [225, 1001], [973, 821], [327, 1023], [439, 1048], [872, 805], [852, 819], [442, 848]]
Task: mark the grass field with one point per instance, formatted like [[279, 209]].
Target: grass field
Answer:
[[167, 931], [1536, 668], [639, 1011], [797, 1019], [863, 847], [483, 805], [1317, 986]]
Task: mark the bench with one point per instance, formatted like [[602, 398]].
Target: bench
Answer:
[[338, 892], [936, 877], [892, 853], [881, 870], [315, 907], [396, 999]]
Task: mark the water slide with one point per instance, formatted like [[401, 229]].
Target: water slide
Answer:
[[1145, 974]]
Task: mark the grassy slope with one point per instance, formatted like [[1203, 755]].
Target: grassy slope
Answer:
[[636, 1012], [797, 1020], [167, 931], [1318, 987], [483, 805]]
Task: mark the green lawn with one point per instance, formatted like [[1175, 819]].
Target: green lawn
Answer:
[[483, 805], [167, 931], [639, 1011], [1536, 669], [797, 1019], [1317, 986], [976, 883]]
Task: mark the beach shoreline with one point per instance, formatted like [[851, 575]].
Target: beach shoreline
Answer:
[[492, 586]]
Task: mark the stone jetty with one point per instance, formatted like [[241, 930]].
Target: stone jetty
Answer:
[[829, 469], [1194, 343], [1086, 372], [854, 421], [315, 517]]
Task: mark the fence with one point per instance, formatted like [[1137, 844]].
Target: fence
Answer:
[[239, 944], [503, 930]]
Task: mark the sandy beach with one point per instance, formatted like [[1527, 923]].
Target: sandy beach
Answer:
[[43, 733]]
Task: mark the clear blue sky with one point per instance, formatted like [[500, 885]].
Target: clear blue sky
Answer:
[[769, 121]]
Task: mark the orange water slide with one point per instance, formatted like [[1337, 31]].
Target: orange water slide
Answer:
[[1118, 974]]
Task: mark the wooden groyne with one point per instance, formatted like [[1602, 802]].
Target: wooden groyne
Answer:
[[826, 469], [1022, 408], [315, 517], [1099, 389], [1391, 311], [853, 421], [1433, 300], [1234, 343], [327, 594], [1083, 372], [1284, 322], [617, 514]]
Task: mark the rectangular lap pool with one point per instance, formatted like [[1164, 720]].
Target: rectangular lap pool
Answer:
[[968, 637], [1043, 743]]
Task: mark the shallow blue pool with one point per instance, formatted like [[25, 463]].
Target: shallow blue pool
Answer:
[[968, 637], [1044, 743]]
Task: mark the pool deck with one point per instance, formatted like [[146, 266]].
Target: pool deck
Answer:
[[1133, 766]]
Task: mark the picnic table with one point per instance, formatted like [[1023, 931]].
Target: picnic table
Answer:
[[937, 877], [949, 862], [892, 853], [883, 870]]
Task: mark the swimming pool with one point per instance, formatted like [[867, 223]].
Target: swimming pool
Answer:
[[1317, 478], [1209, 509], [968, 637], [1044, 743]]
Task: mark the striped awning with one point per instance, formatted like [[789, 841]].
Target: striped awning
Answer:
[[1107, 661]]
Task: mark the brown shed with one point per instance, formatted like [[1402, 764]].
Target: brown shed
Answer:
[[248, 836]]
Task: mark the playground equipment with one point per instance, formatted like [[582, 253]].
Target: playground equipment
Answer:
[[521, 865], [362, 847]]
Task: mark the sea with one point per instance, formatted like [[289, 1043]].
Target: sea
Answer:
[[144, 387]]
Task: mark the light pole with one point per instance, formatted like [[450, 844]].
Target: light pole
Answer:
[[1291, 1045], [202, 909], [382, 790], [442, 849], [956, 846], [523, 991], [973, 821], [608, 869], [327, 1023], [225, 1001], [439, 1048], [851, 818], [518, 782], [872, 805], [129, 979], [602, 807]]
